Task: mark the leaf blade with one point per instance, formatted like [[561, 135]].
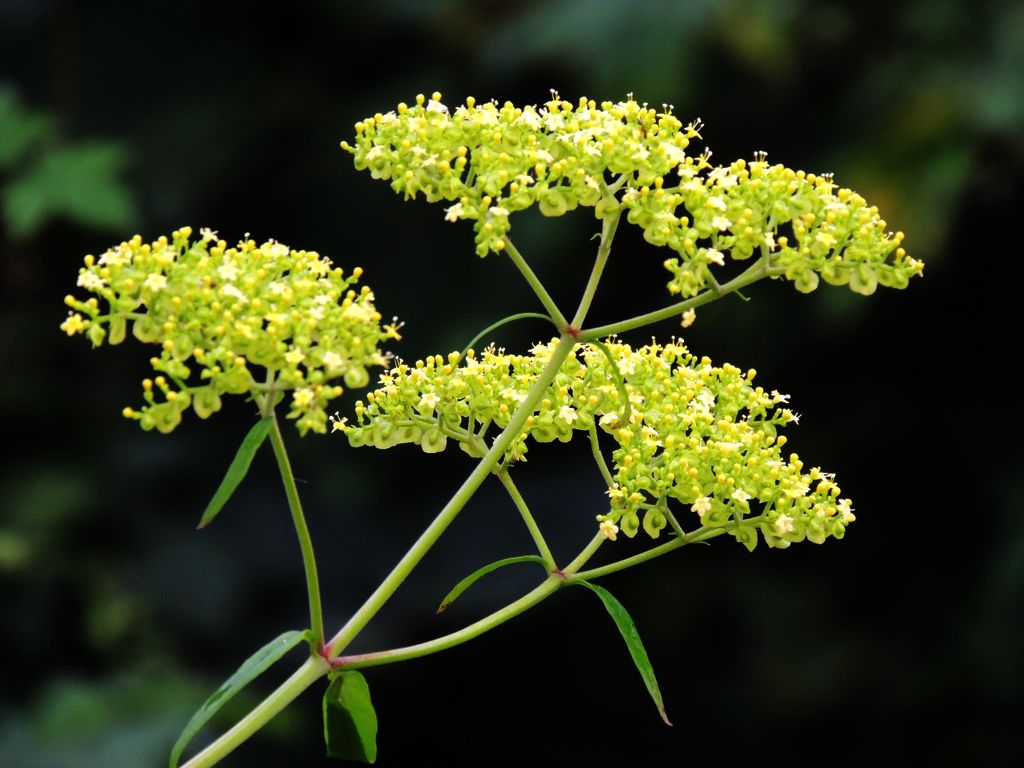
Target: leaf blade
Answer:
[[237, 470], [627, 628], [479, 573], [350, 721], [251, 668]]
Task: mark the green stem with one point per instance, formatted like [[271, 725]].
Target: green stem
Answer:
[[752, 275], [316, 616], [608, 226], [444, 518], [551, 585], [620, 382], [524, 511], [701, 534], [584, 556], [538, 287], [602, 465], [314, 668], [358, 661]]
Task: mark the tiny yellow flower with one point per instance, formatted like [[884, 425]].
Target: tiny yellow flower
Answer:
[[429, 401], [846, 510], [74, 324], [608, 529], [701, 506]]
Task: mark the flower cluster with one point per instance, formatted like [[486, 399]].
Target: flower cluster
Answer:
[[491, 161], [700, 436], [216, 312]]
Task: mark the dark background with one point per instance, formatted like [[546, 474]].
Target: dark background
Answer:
[[903, 642]]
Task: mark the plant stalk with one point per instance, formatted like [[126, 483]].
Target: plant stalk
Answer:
[[316, 616], [524, 511], [608, 226], [444, 518], [312, 670], [752, 275], [538, 287]]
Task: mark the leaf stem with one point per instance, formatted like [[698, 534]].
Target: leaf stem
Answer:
[[538, 287], [524, 510]]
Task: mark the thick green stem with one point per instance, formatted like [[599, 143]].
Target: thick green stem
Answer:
[[316, 616], [752, 275], [608, 226], [476, 629], [551, 585], [524, 511], [444, 518], [538, 287], [314, 668]]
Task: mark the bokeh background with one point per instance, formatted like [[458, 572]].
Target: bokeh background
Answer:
[[903, 642]]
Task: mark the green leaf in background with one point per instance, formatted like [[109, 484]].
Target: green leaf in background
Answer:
[[636, 648], [20, 129], [467, 582], [253, 667], [236, 472], [79, 181], [350, 723]]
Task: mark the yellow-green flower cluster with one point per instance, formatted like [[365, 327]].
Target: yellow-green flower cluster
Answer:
[[693, 435], [491, 161], [743, 210], [218, 313]]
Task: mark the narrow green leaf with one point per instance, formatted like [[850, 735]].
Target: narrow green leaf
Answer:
[[495, 326], [350, 723], [236, 472], [253, 667], [467, 582], [636, 648]]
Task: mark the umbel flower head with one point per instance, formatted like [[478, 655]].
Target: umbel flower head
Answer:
[[219, 314], [690, 436], [491, 161]]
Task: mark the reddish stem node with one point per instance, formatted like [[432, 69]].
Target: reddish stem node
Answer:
[[574, 332], [335, 662]]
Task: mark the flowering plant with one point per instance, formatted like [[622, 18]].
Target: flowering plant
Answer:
[[697, 448]]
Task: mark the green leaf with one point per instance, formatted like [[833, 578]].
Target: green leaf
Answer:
[[636, 648], [21, 129], [467, 582], [236, 472], [350, 723], [81, 182], [494, 326], [253, 667]]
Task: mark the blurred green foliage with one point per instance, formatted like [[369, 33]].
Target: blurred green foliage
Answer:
[[47, 179]]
